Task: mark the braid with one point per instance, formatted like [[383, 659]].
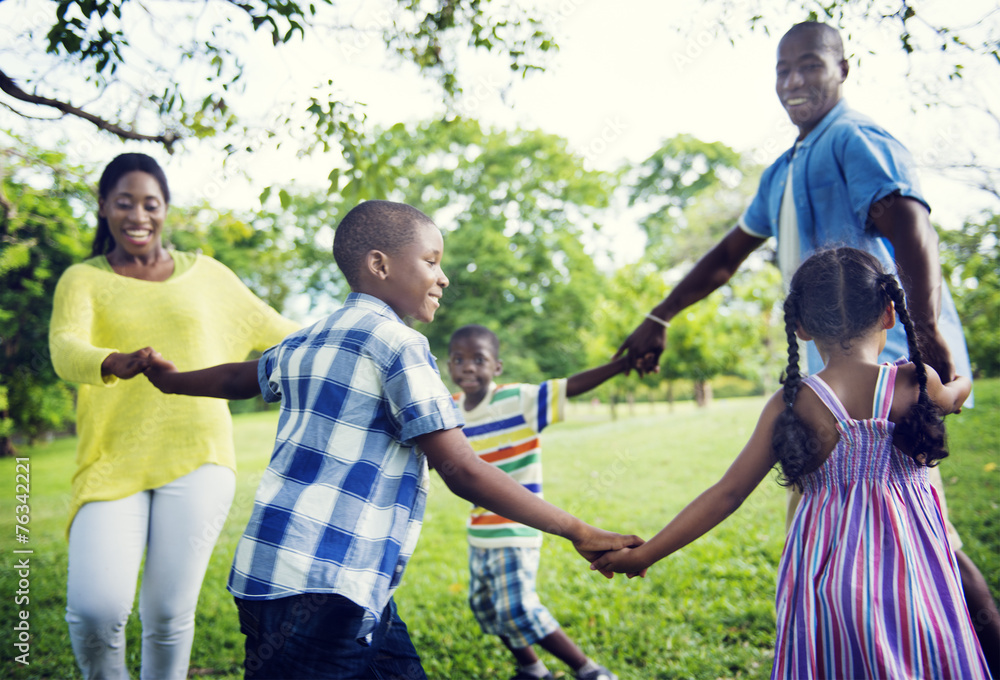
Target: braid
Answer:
[[921, 431], [791, 435]]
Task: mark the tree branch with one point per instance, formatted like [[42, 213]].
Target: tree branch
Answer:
[[8, 86]]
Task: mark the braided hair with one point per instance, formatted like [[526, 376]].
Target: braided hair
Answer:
[[838, 295]]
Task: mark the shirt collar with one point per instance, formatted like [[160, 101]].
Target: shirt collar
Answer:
[[372, 304], [832, 115]]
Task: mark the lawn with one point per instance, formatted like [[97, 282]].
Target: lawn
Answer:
[[706, 612]]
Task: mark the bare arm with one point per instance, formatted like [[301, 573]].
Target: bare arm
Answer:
[[225, 381], [905, 222], [471, 478], [587, 380], [647, 342], [711, 507]]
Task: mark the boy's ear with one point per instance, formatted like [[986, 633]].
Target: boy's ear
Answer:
[[801, 334], [377, 264], [889, 316], [499, 368]]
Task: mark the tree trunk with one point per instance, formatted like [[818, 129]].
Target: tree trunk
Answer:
[[702, 393]]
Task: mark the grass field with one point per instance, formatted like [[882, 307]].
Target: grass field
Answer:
[[706, 612]]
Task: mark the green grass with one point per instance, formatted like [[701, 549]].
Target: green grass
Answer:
[[706, 612]]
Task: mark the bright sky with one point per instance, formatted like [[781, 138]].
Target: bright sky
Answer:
[[623, 81]]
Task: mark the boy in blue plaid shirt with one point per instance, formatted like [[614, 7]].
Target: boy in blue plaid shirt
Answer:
[[339, 508]]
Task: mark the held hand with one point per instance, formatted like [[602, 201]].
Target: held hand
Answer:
[[626, 561], [129, 365], [160, 372], [596, 542], [644, 347]]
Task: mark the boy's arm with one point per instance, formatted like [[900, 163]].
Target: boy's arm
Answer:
[[711, 507], [588, 380], [471, 478], [225, 381]]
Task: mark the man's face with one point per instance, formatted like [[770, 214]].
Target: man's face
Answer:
[[810, 77]]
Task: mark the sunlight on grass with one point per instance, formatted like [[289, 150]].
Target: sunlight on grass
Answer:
[[706, 612]]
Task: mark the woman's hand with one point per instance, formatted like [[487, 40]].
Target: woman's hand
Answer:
[[129, 365]]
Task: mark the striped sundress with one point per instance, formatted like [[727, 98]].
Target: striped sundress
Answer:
[[867, 585]]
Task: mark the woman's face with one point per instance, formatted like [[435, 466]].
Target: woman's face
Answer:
[[135, 210]]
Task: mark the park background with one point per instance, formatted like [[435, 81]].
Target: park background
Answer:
[[574, 184]]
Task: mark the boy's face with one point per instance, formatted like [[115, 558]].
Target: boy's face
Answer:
[[416, 276], [810, 78], [472, 365]]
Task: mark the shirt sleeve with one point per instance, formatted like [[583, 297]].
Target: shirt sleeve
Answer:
[[760, 217], [74, 357], [875, 165], [260, 324], [544, 404], [418, 397], [268, 376]]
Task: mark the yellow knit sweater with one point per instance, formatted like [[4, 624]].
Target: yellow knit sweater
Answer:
[[131, 436]]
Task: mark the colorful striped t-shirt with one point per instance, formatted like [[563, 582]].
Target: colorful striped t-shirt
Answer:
[[504, 430]]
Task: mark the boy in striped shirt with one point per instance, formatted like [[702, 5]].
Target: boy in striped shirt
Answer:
[[503, 425]]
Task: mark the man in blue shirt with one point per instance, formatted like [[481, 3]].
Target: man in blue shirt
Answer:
[[845, 182]]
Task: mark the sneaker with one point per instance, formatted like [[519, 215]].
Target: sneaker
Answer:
[[521, 675], [599, 673]]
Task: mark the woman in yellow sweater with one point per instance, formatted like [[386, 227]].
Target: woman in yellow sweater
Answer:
[[155, 473]]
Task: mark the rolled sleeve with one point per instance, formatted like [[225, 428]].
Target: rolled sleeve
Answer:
[[270, 385]]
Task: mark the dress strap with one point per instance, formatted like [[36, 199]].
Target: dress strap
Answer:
[[884, 390], [827, 396]]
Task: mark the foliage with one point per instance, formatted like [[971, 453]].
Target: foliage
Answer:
[[40, 236], [970, 260], [172, 70], [694, 191], [515, 206], [706, 612]]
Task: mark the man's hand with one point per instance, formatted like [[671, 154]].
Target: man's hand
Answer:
[[644, 347]]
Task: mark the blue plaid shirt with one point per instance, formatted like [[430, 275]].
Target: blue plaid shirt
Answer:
[[340, 506]]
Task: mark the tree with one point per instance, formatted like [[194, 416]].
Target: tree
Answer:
[[174, 70], [515, 206], [970, 260], [41, 236], [694, 192]]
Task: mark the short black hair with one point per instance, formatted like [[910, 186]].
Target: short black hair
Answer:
[[374, 225], [476, 331], [829, 37]]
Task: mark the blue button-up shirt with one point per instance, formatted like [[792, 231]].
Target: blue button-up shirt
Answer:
[[842, 167], [340, 506]]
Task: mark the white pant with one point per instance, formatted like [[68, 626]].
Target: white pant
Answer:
[[176, 525]]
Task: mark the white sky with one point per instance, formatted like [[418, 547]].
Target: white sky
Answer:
[[624, 80]]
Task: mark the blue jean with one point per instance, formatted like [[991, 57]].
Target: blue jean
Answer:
[[315, 637]]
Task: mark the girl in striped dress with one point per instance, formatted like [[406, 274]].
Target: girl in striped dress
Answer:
[[867, 585]]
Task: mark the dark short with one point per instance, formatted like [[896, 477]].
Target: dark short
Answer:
[[315, 637]]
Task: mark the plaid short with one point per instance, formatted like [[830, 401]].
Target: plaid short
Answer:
[[502, 594]]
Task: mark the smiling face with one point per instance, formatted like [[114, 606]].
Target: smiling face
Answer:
[[135, 210], [472, 365], [414, 276], [810, 72]]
